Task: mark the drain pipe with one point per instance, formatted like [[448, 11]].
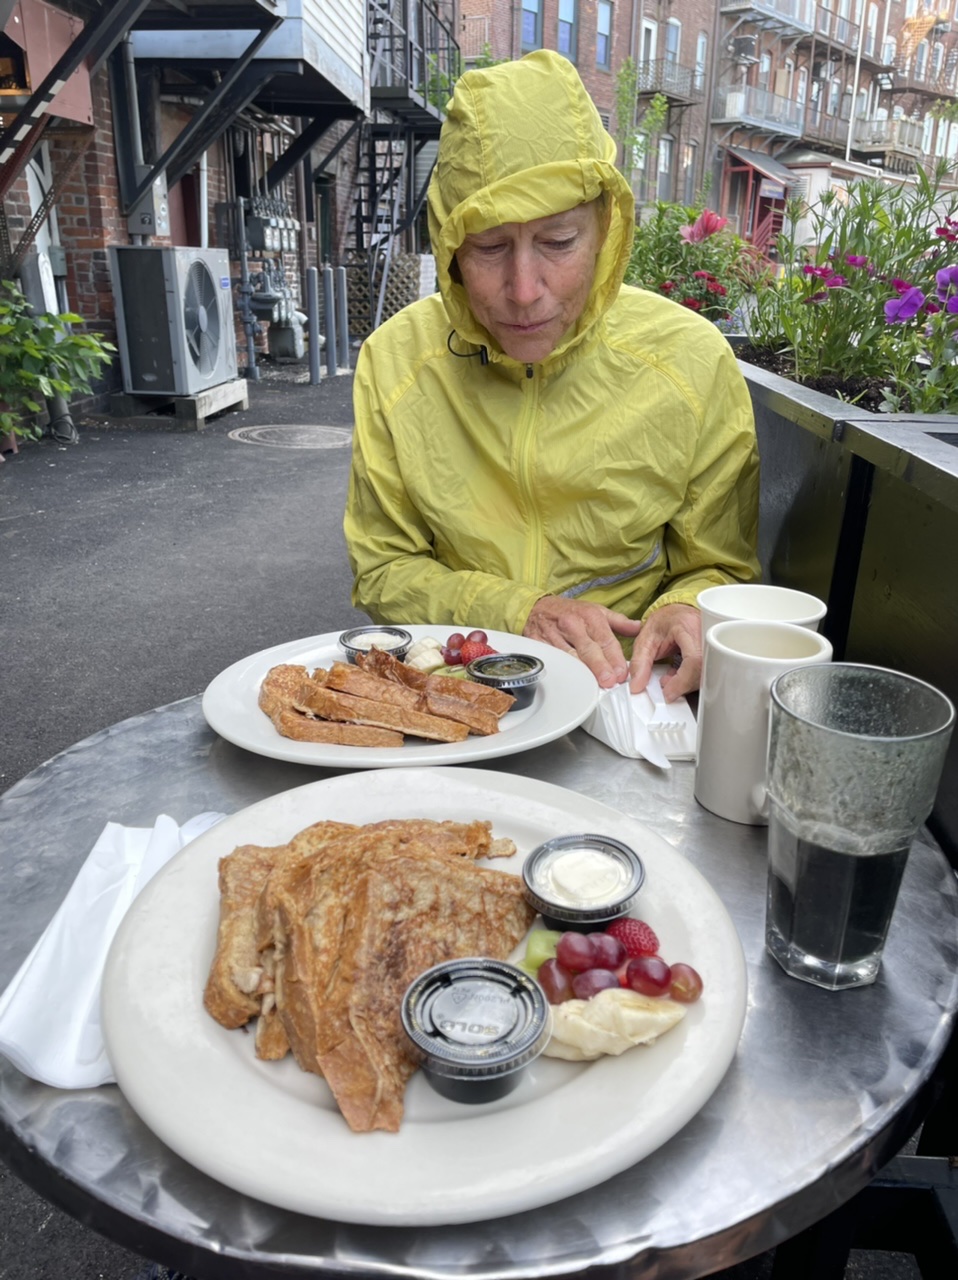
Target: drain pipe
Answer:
[[245, 289]]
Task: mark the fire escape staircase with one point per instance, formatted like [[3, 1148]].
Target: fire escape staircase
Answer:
[[413, 62]]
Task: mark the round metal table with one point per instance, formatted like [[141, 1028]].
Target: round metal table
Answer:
[[825, 1087]]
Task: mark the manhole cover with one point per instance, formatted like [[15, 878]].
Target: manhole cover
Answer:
[[297, 436]]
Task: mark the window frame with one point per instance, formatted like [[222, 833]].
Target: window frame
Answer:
[[573, 26], [604, 7], [536, 7]]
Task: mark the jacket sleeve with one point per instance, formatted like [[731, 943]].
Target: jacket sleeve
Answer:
[[397, 577], [712, 539]]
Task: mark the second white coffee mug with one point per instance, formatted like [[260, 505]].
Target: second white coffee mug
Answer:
[[741, 661], [758, 602]]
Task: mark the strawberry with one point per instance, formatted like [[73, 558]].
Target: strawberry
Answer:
[[473, 649], [635, 935]]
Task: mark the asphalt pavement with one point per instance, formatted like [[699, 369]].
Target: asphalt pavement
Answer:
[[134, 567]]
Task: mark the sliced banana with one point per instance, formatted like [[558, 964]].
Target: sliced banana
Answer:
[[609, 1023]]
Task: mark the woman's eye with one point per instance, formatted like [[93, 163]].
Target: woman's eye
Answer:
[[567, 243]]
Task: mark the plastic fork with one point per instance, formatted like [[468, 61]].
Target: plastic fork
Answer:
[[662, 719]]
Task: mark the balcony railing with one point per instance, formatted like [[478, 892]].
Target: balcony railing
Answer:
[[413, 54], [661, 75], [794, 15], [833, 27], [905, 136], [759, 109], [821, 127]]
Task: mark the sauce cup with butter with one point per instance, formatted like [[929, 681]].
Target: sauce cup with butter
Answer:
[[393, 640], [582, 882]]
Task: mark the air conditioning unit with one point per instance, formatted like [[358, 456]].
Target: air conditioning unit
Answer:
[[742, 48], [174, 314]]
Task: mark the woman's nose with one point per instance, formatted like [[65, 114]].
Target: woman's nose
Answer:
[[525, 284]]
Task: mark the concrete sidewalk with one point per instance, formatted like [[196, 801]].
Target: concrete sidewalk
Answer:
[[134, 567]]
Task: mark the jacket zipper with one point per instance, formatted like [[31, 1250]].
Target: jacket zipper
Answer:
[[525, 457]]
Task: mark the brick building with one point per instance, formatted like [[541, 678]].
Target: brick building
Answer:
[[764, 97]]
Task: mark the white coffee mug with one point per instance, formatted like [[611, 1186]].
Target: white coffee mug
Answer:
[[741, 661], [758, 602]]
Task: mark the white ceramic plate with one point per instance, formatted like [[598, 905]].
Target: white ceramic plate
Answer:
[[274, 1132], [565, 696]]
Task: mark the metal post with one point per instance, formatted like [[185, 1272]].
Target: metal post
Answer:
[[312, 323], [329, 308], [342, 318]]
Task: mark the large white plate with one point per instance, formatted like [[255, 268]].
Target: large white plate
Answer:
[[273, 1132], [565, 696]]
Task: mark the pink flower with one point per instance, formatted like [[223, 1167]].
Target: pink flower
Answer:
[[666, 286], [713, 286], [899, 285], [705, 225], [692, 303], [855, 260], [835, 282]]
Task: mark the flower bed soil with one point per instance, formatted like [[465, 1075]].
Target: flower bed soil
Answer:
[[863, 393]]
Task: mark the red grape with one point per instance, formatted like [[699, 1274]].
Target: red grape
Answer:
[[555, 981], [456, 640], [575, 952], [589, 984], [609, 952], [649, 975], [451, 657], [479, 637], [685, 985]]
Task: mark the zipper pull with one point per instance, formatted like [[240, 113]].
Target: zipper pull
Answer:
[[528, 370]]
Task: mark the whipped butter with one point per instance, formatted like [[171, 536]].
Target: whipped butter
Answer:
[[583, 876]]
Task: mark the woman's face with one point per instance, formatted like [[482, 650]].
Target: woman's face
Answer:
[[528, 282]]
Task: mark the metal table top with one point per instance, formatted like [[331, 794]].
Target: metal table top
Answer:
[[825, 1087]]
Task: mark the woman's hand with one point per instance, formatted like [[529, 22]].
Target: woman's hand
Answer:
[[673, 629], [590, 631]]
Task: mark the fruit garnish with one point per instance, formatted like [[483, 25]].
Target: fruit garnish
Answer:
[[575, 952], [479, 637], [649, 975], [686, 984], [473, 649], [635, 935], [555, 981], [589, 984], [540, 946]]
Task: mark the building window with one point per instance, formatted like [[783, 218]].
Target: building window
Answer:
[[701, 58], [673, 39], [921, 60], [532, 24], [689, 152], [801, 90], [665, 168], [603, 34], [834, 97], [567, 29]]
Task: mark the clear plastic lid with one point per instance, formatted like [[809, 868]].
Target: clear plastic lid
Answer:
[[476, 1017]]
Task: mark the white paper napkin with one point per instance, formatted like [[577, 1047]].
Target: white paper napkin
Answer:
[[620, 720], [50, 1012]]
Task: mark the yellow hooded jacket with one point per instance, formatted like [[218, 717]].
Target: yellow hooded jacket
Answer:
[[621, 470]]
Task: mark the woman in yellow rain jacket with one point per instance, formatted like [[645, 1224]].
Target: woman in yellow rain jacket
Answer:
[[539, 448]]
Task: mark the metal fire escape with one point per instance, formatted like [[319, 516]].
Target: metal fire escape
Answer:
[[414, 60]]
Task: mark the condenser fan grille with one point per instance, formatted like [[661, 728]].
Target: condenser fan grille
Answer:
[[201, 317]]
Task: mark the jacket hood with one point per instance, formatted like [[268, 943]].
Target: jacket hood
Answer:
[[523, 140]]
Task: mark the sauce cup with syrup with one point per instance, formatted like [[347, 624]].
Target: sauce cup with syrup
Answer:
[[475, 1025], [582, 882], [515, 673], [393, 640]]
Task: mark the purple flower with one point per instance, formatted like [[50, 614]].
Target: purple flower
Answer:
[[946, 280], [835, 282], [899, 285], [820, 272], [817, 297], [856, 260], [951, 306], [898, 310]]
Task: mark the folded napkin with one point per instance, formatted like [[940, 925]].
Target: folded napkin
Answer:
[[620, 720], [50, 1012]]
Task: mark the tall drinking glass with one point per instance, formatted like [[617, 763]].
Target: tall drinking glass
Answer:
[[855, 757]]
